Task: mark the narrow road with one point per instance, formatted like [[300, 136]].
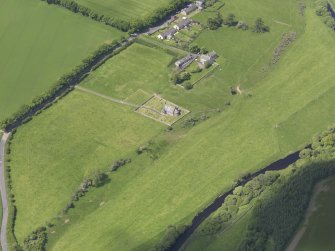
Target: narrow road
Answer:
[[3, 192]]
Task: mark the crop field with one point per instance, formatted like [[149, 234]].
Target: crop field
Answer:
[[319, 233], [39, 43], [124, 9], [79, 133], [209, 152]]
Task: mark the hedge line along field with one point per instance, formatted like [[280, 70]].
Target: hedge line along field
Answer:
[[79, 133], [320, 225], [40, 43], [190, 173], [124, 9]]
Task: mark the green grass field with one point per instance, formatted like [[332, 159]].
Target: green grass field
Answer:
[[124, 9], [80, 133], [319, 233], [204, 161], [38, 44], [193, 166]]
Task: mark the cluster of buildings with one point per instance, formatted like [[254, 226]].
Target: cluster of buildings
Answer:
[[204, 60], [168, 34], [186, 22]]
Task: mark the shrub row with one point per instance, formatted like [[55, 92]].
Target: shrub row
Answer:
[[119, 163], [12, 211], [37, 240], [61, 87], [123, 25], [287, 39], [242, 195], [96, 178], [325, 11], [169, 238]]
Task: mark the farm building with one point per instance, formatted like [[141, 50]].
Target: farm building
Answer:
[[171, 110], [207, 59], [184, 62], [200, 4], [185, 23], [167, 34], [189, 9]]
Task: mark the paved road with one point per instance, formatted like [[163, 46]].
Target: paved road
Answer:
[[3, 193]]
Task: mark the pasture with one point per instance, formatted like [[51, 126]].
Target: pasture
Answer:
[[320, 226], [124, 9], [203, 162], [140, 71], [39, 43], [52, 154]]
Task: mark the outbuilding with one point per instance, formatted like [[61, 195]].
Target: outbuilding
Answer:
[[185, 23], [207, 59], [192, 7], [184, 62], [200, 4], [167, 34], [171, 110]]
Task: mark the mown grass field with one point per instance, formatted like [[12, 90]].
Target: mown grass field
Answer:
[[53, 153], [124, 9], [205, 160], [319, 233], [38, 44]]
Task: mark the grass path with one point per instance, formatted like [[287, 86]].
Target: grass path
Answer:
[[4, 202]]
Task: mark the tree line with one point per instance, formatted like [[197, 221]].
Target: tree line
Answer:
[[134, 25]]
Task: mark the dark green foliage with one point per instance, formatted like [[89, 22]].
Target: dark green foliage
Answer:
[[242, 25], [195, 120], [230, 20], [179, 78], [188, 86], [260, 26], [169, 238], [37, 240], [215, 23], [325, 11], [194, 48], [204, 50], [287, 39], [119, 163], [241, 196]]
